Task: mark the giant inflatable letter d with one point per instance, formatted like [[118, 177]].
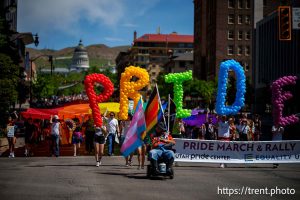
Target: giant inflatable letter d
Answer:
[[221, 109]]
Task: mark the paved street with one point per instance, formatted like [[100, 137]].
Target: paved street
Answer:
[[78, 178]]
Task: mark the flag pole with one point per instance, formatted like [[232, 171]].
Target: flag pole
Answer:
[[169, 106], [160, 104]]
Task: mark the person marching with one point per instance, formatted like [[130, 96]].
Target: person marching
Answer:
[[55, 135], [30, 128], [99, 141], [10, 127], [223, 132], [113, 130], [124, 126], [77, 137]]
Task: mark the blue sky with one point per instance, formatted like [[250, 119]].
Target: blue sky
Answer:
[[61, 23]]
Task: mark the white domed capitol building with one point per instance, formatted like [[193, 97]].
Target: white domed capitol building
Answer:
[[80, 60]]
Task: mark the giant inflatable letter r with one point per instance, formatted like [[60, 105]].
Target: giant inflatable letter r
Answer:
[[129, 88]]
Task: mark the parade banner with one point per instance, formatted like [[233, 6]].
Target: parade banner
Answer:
[[211, 151]]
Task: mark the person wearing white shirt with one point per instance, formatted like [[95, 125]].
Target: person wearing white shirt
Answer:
[[223, 129], [277, 132], [112, 127], [223, 132], [55, 135]]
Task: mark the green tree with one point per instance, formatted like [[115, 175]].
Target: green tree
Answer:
[[208, 92], [164, 88], [8, 83]]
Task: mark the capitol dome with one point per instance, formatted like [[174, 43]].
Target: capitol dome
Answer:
[[80, 60]]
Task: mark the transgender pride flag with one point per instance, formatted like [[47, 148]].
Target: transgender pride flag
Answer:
[[137, 127]]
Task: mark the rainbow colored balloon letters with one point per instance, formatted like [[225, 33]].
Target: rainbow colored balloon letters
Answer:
[[278, 98], [222, 87]]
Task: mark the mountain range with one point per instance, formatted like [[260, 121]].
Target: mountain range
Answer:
[[99, 55]]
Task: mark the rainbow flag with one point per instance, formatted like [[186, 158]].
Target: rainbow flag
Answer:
[[153, 112], [137, 127]]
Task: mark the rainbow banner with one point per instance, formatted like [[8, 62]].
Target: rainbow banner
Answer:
[[137, 127], [153, 111]]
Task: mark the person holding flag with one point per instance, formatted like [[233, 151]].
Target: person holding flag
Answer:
[[161, 148], [133, 138]]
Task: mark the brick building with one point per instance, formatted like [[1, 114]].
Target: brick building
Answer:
[[222, 30], [153, 51]]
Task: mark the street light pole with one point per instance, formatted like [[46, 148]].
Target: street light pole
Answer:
[[30, 86]]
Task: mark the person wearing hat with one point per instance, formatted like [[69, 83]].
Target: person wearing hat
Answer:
[[99, 141], [55, 135], [161, 144], [243, 129]]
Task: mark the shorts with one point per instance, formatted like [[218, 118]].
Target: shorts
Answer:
[[99, 139], [77, 138]]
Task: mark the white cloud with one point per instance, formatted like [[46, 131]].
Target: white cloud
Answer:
[[66, 15]]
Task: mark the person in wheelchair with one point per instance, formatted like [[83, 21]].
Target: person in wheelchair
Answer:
[[162, 143]]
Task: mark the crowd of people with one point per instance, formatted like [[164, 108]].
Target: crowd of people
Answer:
[[55, 101], [218, 127], [77, 131]]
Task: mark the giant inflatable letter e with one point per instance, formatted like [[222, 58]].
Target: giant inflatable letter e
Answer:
[[278, 98]]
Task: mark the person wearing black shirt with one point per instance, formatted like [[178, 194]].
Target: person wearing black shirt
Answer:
[[29, 136]]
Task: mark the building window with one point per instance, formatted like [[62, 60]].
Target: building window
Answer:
[[247, 19], [240, 4], [240, 35], [240, 19], [246, 66], [247, 4], [239, 50], [231, 19], [230, 3], [247, 35], [230, 35], [247, 50], [230, 50]]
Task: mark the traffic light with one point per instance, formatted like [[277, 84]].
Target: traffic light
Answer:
[[285, 23]]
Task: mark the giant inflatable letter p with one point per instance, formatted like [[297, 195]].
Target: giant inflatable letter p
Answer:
[[178, 79], [278, 98], [89, 83], [129, 89], [221, 109]]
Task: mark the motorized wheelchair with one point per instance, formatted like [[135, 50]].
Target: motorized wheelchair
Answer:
[[161, 167]]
